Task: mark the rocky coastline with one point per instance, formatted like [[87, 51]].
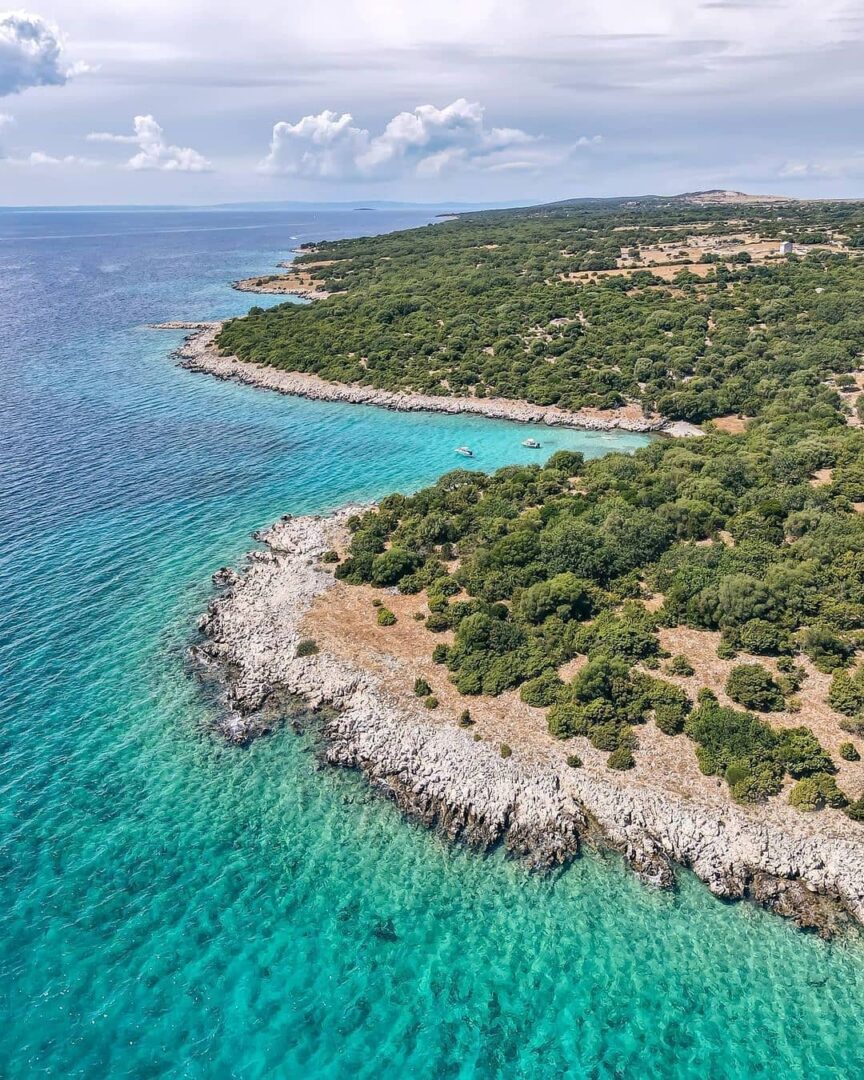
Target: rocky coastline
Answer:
[[200, 353], [540, 810], [279, 285]]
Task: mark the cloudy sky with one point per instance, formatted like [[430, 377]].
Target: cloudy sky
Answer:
[[475, 100]]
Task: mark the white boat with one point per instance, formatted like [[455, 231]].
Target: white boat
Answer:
[[532, 444], [464, 451]]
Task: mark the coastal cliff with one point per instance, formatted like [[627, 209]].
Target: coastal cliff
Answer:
[[199, 352], [540, 809]]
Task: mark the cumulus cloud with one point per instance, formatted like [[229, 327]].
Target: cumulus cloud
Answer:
[[30, 53], [425, 142], [153, 151], [324, 147]]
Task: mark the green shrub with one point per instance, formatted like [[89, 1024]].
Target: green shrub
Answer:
[[564, 595], [431, 702], [763, 637], [542, 691], [377, 602], [465, 718], [506, 672], [627, 737], [605, 736], [437, 621], [505, 750], [751, 685], [306, 647], [569, 462], [707, 760], [846, 693], [390, 566], [855, 810], [792, 679], [446, 586], [628, 636], [725, 651], [800, 753], [441, 654], [680, 665], [468, 682], [419, 616], [848, 752], [759, 783], [826, 649], [330, 556], [385, 617], [567, 719], [852, 725], [814, 792], [621, 759], [422, 688], [737, 745], [574, 761], [737, 772], [669, 719]]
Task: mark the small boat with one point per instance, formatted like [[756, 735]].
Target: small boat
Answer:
[[532, 444], [464, 451]]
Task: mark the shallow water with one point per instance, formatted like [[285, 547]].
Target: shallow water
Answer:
[[170, 906]]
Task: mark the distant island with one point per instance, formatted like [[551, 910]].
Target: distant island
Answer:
[[662, 649]]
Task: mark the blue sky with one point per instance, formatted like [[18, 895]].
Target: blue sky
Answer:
[[487, 100]]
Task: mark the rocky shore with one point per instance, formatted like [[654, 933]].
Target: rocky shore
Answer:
[[199, 353], [280, 285], [541, 810]]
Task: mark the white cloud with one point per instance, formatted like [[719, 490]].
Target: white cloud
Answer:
[[455, 133], [39, 159], [6, 119], [801, 169], [850, 165], [153, 151], [324, 147], [425, 142], [30, 53]]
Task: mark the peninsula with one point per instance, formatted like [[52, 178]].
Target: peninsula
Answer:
[[659, 651]]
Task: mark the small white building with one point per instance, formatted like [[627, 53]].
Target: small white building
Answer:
[[786, 248]]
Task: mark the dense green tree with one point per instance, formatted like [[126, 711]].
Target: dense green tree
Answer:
[[538, 564], [752, 686]]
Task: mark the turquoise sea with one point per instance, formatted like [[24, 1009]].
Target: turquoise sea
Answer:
[[170, 906]]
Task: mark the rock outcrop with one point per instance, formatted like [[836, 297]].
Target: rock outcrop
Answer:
[[439, 774]]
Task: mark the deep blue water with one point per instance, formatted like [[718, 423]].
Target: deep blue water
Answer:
[[170, 906]]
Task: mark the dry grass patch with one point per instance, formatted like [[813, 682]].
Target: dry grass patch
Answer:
[[343, 623], [733, 424], [700, 648]]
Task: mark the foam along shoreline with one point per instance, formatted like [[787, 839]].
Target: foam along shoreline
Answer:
[[200, 353], [538, 808]]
